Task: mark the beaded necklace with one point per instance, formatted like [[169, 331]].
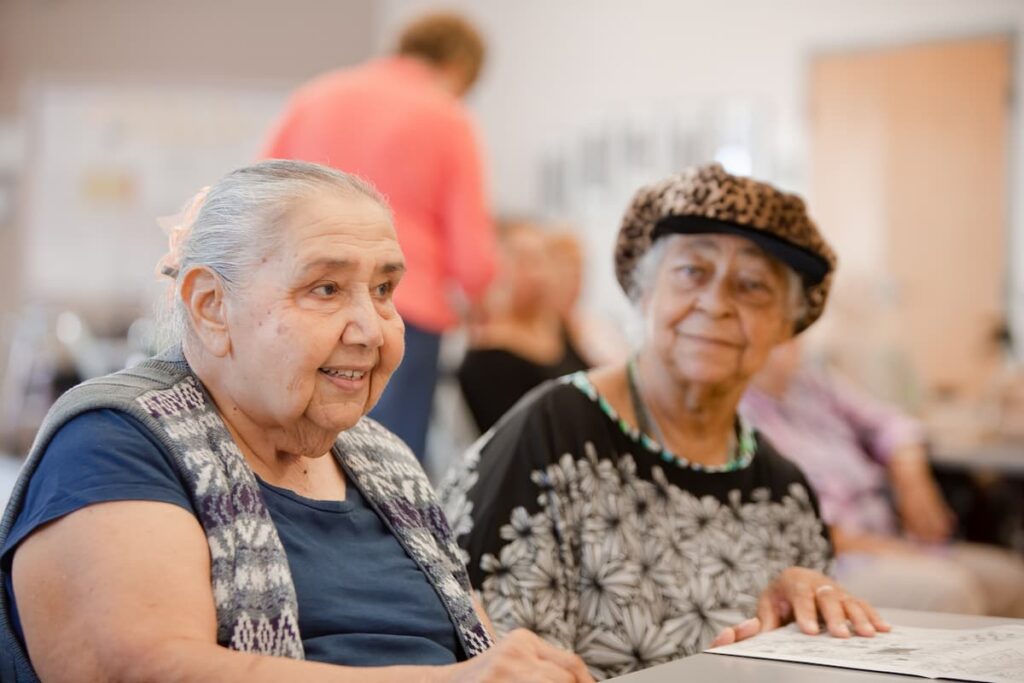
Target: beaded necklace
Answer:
[[742, 443]]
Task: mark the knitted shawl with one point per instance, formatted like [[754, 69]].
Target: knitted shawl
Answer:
[[252, 584]]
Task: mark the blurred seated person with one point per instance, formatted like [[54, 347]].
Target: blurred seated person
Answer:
[[597, 341], [521, 340], [890, 525]]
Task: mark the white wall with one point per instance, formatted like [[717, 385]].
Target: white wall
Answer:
[[229, 44], [561, 66], [115, 48]]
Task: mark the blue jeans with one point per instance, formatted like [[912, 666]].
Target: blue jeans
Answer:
[[405, 406]]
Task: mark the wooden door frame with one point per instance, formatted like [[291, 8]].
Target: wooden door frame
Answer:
[[1013, 227]]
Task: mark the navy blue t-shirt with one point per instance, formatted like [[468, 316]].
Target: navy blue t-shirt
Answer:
[[362, 600]]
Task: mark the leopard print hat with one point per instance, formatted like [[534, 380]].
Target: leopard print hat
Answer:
[[707, 199]]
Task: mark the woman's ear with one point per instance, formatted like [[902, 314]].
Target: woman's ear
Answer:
[[202, 294]]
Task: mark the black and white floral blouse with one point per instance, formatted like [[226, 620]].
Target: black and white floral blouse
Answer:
[[575, 527]]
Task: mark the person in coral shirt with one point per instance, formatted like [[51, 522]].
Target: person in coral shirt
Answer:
[[399, 122]]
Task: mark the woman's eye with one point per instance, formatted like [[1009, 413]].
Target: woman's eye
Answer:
[[756, 285], [327, 289], [688, 270], [384, 289]]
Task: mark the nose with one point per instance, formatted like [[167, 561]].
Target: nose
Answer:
[[714, 299], [363, 326]]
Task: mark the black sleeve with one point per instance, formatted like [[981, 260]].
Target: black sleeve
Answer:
[[492, 498], [492, 381]]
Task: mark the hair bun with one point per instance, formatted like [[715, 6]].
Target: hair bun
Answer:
[[178, 228]]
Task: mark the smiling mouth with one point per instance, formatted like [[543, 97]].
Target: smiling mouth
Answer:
[[710, 340], [344, 374]]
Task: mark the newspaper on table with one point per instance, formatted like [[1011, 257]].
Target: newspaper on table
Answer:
[[988, 655]]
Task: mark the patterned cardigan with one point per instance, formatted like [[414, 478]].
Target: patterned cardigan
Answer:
[[252, 585]]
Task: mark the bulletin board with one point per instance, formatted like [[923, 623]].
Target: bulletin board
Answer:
[[104, 162]]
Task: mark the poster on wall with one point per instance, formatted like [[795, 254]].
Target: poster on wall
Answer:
[[105, 162]]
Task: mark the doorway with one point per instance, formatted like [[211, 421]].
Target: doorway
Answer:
[[909, 180]]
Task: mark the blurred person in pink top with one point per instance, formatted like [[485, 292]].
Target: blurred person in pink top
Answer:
[[867, 461], [399, 123]]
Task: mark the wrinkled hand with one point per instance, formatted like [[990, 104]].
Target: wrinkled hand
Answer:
[[522, 657], [734, 634], [802, 595]]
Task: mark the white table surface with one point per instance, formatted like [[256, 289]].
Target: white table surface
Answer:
[[729, 669]]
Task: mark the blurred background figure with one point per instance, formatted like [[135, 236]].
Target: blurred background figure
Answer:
[[398, 122], [522, 339], [596, 341], [867, 461]]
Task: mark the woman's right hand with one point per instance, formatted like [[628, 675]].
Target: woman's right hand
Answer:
[[521, 657]]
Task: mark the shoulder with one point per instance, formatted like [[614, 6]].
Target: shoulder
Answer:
[[555, 402], [774, 461], [495, 473], [549, 420], [533, 433], [778, 471], [153, 388], [444, 115], [530, 421], [330, 82], [149, 375], [88, 428], [456, 114], [130, 402], [94, 457], [104, 449]]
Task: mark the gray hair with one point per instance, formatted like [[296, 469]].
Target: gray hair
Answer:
[[239, 224], [647, 269]]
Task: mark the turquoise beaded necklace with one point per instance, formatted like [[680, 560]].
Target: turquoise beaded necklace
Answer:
[[741, 450]]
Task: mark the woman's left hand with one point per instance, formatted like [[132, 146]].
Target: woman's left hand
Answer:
[[803, 594]]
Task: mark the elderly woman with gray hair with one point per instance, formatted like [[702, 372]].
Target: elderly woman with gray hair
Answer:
[[226, 510], [630, 513]]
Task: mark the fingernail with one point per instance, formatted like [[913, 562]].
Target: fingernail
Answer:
[[844, 631], [810, 627], [749, 623]]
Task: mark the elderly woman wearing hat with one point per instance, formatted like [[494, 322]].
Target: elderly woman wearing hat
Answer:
[[630, 513], [226, 510]]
